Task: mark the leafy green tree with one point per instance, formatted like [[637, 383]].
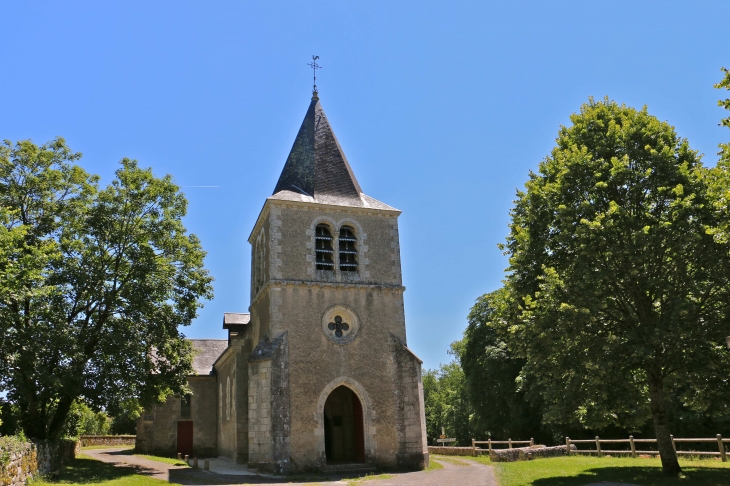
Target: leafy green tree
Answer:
[[623, 290], [446, 403], [102, 278], [82, 420], [492, 373]]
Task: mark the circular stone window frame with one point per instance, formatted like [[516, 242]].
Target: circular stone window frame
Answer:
[[348, 316]]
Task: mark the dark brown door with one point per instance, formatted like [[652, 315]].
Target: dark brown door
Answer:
[[185, 437], [359, 429]]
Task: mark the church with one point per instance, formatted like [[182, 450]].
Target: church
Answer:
[[318, 376]]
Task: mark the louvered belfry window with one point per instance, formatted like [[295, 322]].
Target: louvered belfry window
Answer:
[[348, 249], [323, 248]]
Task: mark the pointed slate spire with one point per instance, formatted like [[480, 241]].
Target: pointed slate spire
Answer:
[[316, 165]]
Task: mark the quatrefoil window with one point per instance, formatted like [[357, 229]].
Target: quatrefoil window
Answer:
[[338, 326]]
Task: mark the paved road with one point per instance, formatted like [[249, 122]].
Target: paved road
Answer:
[[456, 472]]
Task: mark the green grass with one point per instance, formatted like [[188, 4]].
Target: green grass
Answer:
[[581, 470], [85, 470], [166, 460], [434, 464]]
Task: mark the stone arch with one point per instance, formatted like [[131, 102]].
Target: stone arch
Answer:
[[368, 416]]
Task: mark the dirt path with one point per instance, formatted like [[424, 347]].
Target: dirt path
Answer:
[[456, 471]]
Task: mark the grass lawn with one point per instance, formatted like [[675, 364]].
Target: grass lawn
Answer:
[[434, 464], [167, 460], [85, 470], [581, 470]]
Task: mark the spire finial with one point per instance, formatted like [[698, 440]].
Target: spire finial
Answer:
[[314, 66]]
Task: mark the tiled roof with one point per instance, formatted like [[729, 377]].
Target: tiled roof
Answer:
[[205, 352], [317, 169]]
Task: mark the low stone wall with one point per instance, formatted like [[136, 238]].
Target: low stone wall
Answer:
[[453, 451], [528, 453], [106, 440], [20, 462]]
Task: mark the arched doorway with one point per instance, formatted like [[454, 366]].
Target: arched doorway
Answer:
[[344, 439]]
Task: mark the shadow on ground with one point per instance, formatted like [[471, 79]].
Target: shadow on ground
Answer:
[[191, 476], [644, 476], [90, 471]]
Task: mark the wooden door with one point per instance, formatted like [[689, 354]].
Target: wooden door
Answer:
[[185, 437], [359, 429]]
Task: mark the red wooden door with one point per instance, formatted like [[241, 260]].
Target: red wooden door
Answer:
[[359, 429], [185, 437]]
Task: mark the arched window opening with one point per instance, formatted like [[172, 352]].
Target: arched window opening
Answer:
[[323, 249], [344, 438], [348, 249]]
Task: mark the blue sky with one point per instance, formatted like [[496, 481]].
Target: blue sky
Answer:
[[441, 107]]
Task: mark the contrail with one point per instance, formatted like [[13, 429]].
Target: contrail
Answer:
[[203, 186]]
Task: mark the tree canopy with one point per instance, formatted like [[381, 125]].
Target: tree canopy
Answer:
[[94, 284], [621, 279], [492, 372]]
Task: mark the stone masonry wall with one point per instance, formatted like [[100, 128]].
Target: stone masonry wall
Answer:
[[454, 451], [528, 453], [110, 440], [259, 414], [20, 464], [268, 407], [410, 417], [280, 404]]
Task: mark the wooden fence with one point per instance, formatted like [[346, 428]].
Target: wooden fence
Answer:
[[632, 446], [490, 442]]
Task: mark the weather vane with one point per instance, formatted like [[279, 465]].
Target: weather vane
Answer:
[[314, 66]]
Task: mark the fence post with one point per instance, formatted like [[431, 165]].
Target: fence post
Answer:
[[567, 445], [633, 447], [722, 448], [473, 449], [509, 441], [490, 446], [532, 441], [674, 446], [598, 446]]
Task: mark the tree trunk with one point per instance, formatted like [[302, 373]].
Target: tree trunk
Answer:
[[670, 465]]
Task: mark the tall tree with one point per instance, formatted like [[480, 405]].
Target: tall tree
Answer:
[[103, 280], [446, 402], [624, 292], [492, 372]]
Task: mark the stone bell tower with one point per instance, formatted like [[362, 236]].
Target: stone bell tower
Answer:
[[331, 383]]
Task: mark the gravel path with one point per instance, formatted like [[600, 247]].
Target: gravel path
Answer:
[[459, 471]]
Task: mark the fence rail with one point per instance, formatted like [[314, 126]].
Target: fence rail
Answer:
[[632, 446], [490, 442]]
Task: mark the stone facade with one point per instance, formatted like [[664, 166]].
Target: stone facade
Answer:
[[314, 326], [157, 427]]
